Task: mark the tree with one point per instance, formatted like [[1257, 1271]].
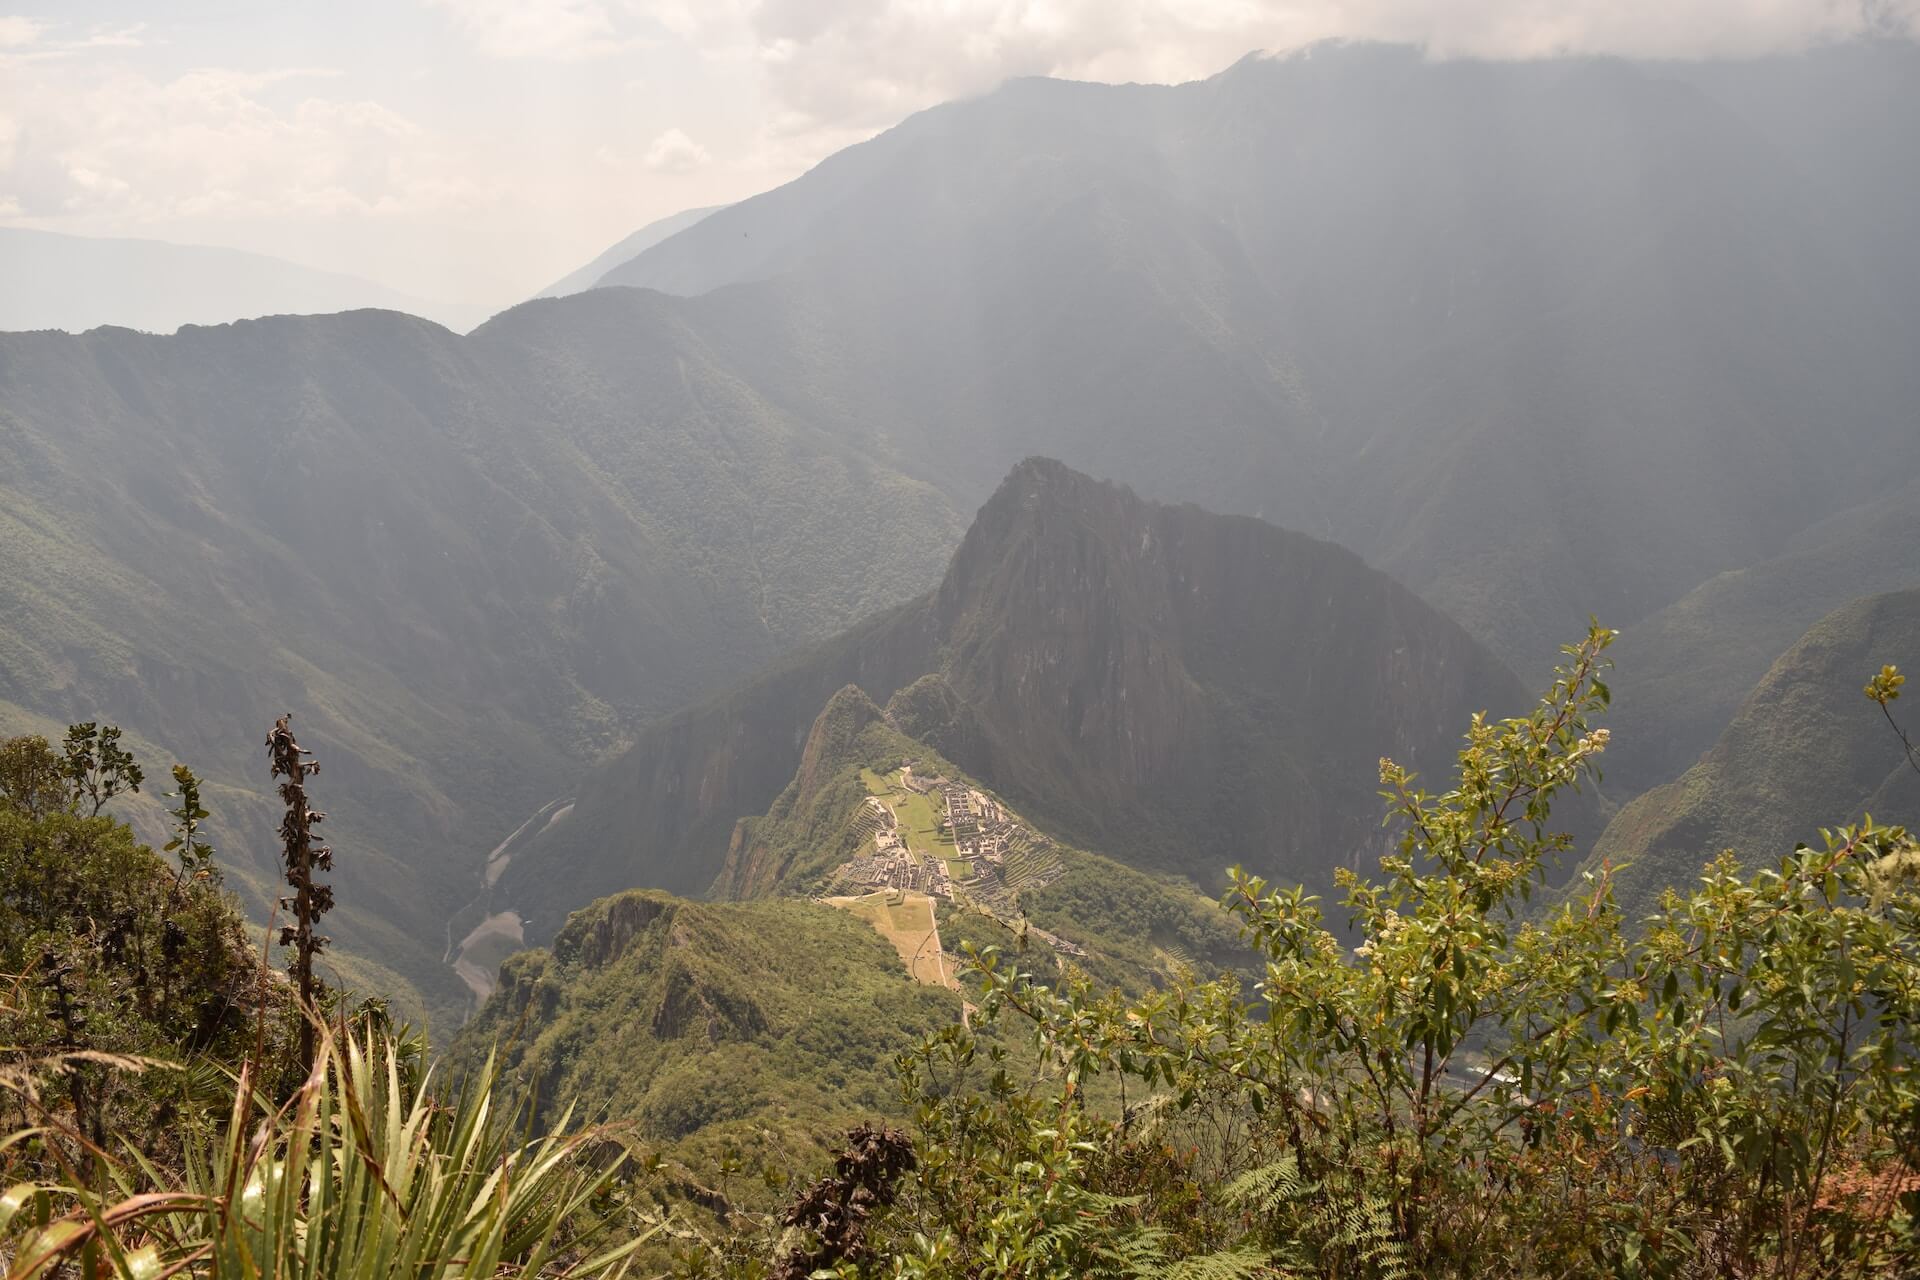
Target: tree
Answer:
[[108, 955], [303, 857], [1884, 689], [33, 778], [97, 767], [194, 853]]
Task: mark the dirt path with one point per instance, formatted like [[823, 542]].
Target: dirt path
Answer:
[[917, 944]]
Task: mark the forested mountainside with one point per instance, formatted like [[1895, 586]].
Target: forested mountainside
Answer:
[[1180, 689], [1542, 339], [1803, 743], [466, 565]]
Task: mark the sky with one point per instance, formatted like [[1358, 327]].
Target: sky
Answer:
[[475, 150]]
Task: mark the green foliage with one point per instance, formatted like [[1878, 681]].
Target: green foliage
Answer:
[[187, 844], [1884, 690], [362, 1175], [33, 779], [1727, 1089], [749, 1033], [90, 769], [1885, 686], [97, 767], [106, 950]]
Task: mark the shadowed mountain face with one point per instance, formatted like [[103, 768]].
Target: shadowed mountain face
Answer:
[[1178, 688], [1542, 339], [1805, 751]]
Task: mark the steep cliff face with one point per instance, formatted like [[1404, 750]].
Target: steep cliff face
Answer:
[[1181, 689], [1192, 689]]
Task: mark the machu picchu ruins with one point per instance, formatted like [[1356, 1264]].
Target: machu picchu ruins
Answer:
[[930, 835]]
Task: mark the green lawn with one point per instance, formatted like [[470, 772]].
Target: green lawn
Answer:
[[919, 815]]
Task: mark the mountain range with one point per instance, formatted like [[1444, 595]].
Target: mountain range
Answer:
[[1529, 340], [466, 565], [76, 283], [1540, 339]]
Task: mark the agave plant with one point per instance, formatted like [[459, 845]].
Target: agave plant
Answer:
[[358, 1175]]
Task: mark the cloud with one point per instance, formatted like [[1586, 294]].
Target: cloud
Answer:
[[26, 39], [674, 152], [107, 143], [838, 65], [18, 33], [558, 29]]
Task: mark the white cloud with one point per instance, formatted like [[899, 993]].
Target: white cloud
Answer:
[[560, 29], [27, 39], [674, 152], [104, 37], [833, 66], [211, 142], [17, 32]]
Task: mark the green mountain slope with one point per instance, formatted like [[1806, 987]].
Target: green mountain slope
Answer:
[[466, 565], [1685, 671], [1804, 751], [1178, 689], [866, 817], [717, 1019]]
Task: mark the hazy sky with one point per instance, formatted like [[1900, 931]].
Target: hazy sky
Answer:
[[476, 149]]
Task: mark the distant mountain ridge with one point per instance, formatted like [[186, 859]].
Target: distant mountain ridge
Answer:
[[625, 250], [77, 283], [1172, 687]]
